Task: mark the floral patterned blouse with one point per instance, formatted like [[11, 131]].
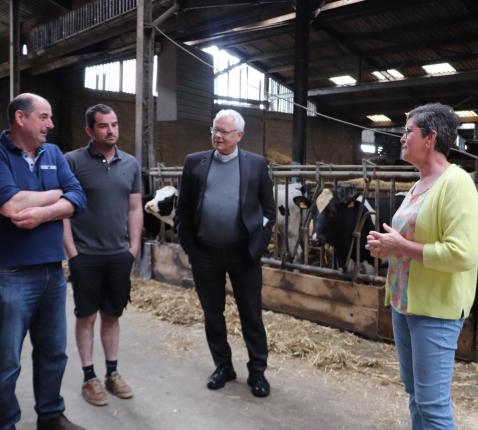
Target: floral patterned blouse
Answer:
[[404, 222]]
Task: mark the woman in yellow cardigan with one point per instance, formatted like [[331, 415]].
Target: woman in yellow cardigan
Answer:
[[432, 248]]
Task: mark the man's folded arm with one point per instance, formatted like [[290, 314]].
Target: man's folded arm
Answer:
[[30, 218], [27, 199]]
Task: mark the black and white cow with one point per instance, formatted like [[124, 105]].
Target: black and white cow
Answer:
[[161, 207], [335, 218], [287, 239], [296, 192]]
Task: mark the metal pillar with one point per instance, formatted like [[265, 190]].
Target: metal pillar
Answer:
[[14, 35], [144, 125], [301, 77]]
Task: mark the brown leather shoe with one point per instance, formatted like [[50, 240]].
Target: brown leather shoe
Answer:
[[116, 386], [93, 392], [60, 422]]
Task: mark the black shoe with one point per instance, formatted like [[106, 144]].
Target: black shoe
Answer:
[[220, 376], [60, 422], [259, 384]]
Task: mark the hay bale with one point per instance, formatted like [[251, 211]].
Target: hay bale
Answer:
[[276, 157], [359, 183]]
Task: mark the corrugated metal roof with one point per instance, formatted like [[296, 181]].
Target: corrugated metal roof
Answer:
[[346, 38]]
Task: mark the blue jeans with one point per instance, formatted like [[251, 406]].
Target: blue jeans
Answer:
[[426, 352], [32, 298]]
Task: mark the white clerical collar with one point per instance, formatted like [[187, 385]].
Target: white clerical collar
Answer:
[[228, 157]]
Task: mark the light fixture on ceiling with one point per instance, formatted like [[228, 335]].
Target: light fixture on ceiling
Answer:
[[379, 118], [343, 80], [379, 75], [466, 113], [438, 69], [467, 126], [395, 73], [388, 75]]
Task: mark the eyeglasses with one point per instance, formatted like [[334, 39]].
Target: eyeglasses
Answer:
[[410, 130], [215, 130]]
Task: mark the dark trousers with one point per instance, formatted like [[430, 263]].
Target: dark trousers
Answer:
[[210, 265]]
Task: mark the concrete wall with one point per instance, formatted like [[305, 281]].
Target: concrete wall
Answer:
[[327, 141]]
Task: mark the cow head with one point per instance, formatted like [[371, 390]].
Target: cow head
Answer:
[[336, 214], [163, 205]]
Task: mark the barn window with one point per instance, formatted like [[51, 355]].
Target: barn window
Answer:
[[367, 148], [117, 76], [367, 145], [236, 83], [239, 84]]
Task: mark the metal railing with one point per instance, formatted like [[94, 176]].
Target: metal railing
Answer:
[[76, 21]]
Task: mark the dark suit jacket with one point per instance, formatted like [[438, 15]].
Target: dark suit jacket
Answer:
[[256, 199]]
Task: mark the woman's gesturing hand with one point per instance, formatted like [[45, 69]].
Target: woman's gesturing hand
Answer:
[[382, 245]]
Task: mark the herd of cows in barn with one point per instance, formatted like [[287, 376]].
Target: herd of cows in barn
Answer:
[[329, 212]]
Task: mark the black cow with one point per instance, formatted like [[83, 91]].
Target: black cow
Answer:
[[335, 217]]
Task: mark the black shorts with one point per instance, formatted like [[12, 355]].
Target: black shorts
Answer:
[[101, 282]]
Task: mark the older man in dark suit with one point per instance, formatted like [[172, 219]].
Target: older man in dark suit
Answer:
[[224, 220]]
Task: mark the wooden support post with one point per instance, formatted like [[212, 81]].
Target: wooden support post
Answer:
[[144, 135], [301, 77], [14, 34]]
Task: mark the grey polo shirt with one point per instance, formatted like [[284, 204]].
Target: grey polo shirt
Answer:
[[102, 229]]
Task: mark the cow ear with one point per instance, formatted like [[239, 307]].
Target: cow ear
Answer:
[[302, 202], [350, 199]]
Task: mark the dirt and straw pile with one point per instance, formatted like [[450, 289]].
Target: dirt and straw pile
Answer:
[[326, 348]]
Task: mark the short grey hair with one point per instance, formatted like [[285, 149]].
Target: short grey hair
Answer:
[[438, 117], [237, 118]]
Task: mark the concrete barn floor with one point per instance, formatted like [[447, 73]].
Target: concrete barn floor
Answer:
[[167, 366]]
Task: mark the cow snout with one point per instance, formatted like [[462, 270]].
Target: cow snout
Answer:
[[318, 240], [149, 207]]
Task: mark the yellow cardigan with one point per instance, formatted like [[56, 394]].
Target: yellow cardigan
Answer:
[[444, 284]]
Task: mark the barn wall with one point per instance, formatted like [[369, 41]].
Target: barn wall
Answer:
[[50, 87], [327, 141]]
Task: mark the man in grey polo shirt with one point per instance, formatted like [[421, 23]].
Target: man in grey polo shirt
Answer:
[[102, 245]]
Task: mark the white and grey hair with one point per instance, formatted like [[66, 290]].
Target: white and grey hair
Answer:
[[440, 118], [237, 118]]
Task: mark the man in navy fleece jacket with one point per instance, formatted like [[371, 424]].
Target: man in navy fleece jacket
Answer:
[[37, 190]]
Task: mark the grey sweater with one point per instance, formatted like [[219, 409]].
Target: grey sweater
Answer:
[[221, 222]]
